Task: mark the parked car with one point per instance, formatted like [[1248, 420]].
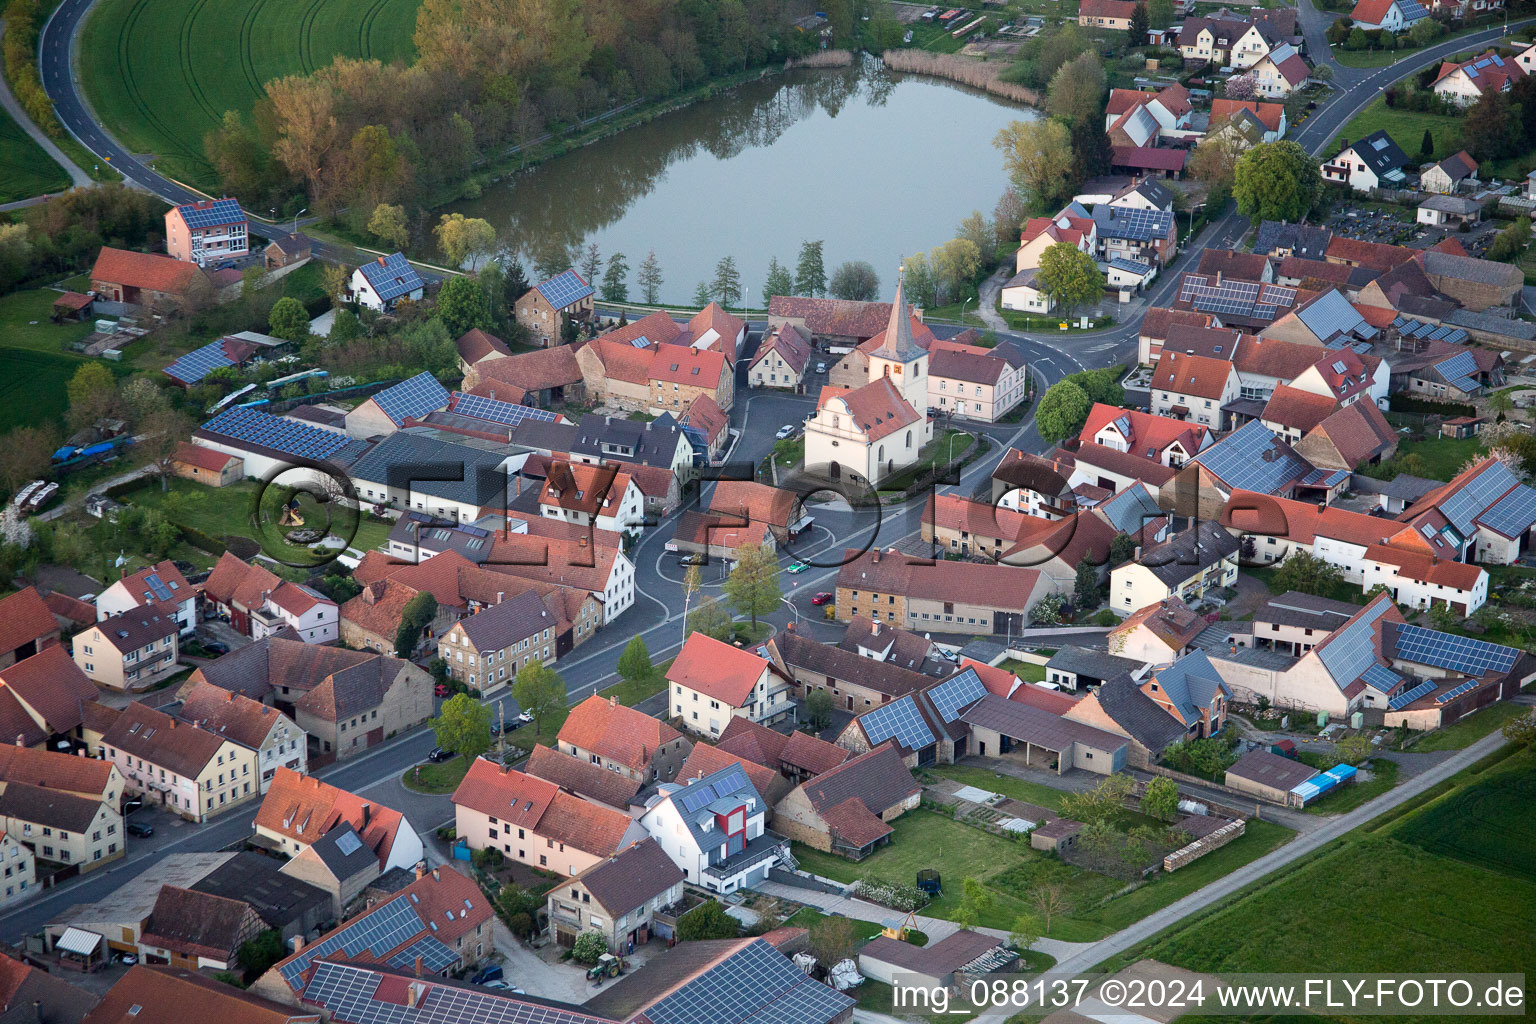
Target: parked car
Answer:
[[822, 598], [498, 985], [787, 430], [821, 367], [690, 560], [525, 717], [216, 646], [440, 690], [493, 972], [796, 567], [439, 755], [137, 830], [126, 959]]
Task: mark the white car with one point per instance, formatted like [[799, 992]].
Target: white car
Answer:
[[821, 367], [525, 716], [787, 430]]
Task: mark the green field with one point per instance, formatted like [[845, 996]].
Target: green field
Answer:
[[161, 73], [1489, 823], [25, 169], [1472, 728], [1405, 127], [34, 362]]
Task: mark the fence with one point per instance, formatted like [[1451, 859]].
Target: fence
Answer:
[[1251, 810], [1200, 847]]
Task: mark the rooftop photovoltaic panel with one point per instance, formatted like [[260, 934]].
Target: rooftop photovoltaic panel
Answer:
[[392, 278], [1462, 364], [1251, 458], [157, 587], [1452, 694], [1474, 498], [1512, 514], [392, 925], [348, 994], [435, 956], [1349, 652], [284, 435], [197, 364], [412, 398], [957, 693], [899, 720], [759, 985], [215, 214], [1407, 697], [1331, 314], [565, 289], [1249, 299], [497, 411], [1381, 677], [1449, 651], [1135, 225]]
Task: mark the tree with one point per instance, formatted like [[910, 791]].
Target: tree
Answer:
[[163, 431], [1038, 158], [1427, 146], [1048, 899], [1098, 835], [1085, 591], [1353, 749], [855, 280], [779, 281], [1070, 277], [591, 260], [818, 708], [1076, 92], [1025, 931], [589, 948], [956, 265], [649, 278], [710, 617], [25, 455], [1357, 39], [1521, 732], [726, 286], [1242, 87], [974, 902], [465, 240], [1122, 549], [387, 223], [810, 272], [462, 304], [1214, 160], [917, 280], [92, 394], [418, 612], [288, 319], [463, 726], [616, 279], [832, 940], [1510, 242], [1488, 131], [1161, 799], [260, 953], [1159, 13], [1062, 411], [975, 229], [539, 690], [1141, 21], [635, 663], [1008, 219], [1307, 574], [1276, 181], [1091, 152], [702, 296], [753, 586], [707, 921], [1443, 618]]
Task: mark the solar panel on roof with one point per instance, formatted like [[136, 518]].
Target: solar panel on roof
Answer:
[[756, 985], [565, 289], [1349, 652], [957, 693], [1464, 506], [497, 411], [348, 843], [1452, 694], [157, 587], [411, 398], [197, 364], [898, 720], [1512, 514], [1239, 460], [1462, 364], [1381, 677], [1449, 651], [216, 214], [392, 278], [389, 926], [1407, 697], [290, 437]]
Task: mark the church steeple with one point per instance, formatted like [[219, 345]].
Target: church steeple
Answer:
[[898, 342]]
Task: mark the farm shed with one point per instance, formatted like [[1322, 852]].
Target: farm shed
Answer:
[[884, 959], [1268, 776], [1007, 728]]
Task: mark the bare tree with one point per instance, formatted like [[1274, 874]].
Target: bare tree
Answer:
[[1048, 899]]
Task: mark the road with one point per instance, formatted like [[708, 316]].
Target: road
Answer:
[[77, 177]]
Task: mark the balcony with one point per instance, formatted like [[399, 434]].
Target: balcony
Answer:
[[768, 847]]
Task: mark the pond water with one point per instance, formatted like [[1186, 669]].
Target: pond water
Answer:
[[873, 163]]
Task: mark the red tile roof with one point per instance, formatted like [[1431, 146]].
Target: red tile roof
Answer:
[[757, 743], [754, 502], [997, 680], [718, 670], [1171, 621], [52, 685], [838, 318], [704, 415], [1147, 158], [1054, 701], [143, 270], [189, 454], [675, 364], [1199, 376], [1269, 114], [475, 345], [1297, 409], [1120, 9], [581, 776], [1302, 521], [542, 807], [616, 732], [25, 618], [704, 760], [303, 808], [1150, 434], [878, 408]]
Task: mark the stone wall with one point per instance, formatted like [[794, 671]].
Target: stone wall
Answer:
[[1200, 847]]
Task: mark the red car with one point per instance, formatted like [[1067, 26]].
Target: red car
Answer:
[[440, 690], [822, 598]]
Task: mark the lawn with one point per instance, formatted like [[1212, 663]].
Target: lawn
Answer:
[[149, 66], [1342, 589], [26, 170], [34, 368], [1347, 798], [1472, 728], [1406, 128], [1443, 456], [1025, 670], [1467, 854], [807, 917], [25, 323], [435, 778]]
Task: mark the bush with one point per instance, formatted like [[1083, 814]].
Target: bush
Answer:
[[588, 948], [892, 894]]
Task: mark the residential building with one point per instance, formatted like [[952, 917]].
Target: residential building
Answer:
[[145, 280], [277, 739], [1443, 211], [616, 897], [1188, 565], [27, 625], [1159, 632], [582, 777], [198, 930], [796, 757], [1370, 163], [831, 322], [1073, 225], [976, 384], [286, 250], [623, 740], [1249, 458], [485, 651], [1392, 15], [208, 231], [1280, 72], [543, 378], [152, 585], [949, 596], [713, 829], [1193, 388], [42, 697], [771, 786], [1036, 486], [1120, 706], [1271, 116], [603, 497], [855, 681], [190, 771], [169, 995], [712, 682], [848, 808], [1485, 513], [1143, 120], [1193, 692], [1447, 176], [1356, 435], [870, 638], [299, 811], [708, 429], [778, 510], [65, 828], [1143, 236], [206, 466], [544, 309], [371, 620], [383, 283], [781, 359], [1112, 15], [1228, 41], [537, 823], [661, 443], [1463, 83], [1022, 292]]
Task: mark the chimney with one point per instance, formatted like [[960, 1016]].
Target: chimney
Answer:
[[789, 627], [411, 992], [1322, 507], [298, 943], [613, 700], [421, 869], [501, 595], [229, 696], [381, 261], [37, 1010], [173, 723], [1137, 555], [436, 875]]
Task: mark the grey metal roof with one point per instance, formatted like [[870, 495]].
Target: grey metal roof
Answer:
[[1094, 664], [1305, 610], [406, 459], [1026, 723]]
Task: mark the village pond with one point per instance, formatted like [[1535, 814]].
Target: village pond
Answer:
[[876, 164]]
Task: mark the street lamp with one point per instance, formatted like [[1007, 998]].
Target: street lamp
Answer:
[[296, 219], [962, 310]]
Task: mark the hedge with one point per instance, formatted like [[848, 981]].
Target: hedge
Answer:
[[1428, 407]]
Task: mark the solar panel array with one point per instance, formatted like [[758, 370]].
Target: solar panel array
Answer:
[[957, 693], [1240, 460], [284, 435], [1411, 328], [701, 794], [216, 214], [1452, 694], [497, 411], [1512, 514], [758, 984], [1487, 487], [565, 289], [392, 925], [1331, 314], [1248, 299], [1402, 700], [1352, 650], [393, 278], [899, 720], [347, 993], [1449, 651], [1133, 225], [435, 956], [1475, 67], [348, 843], [411, 398], [198, 363], [1458, 371], [157, 587], [1381, 677]]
